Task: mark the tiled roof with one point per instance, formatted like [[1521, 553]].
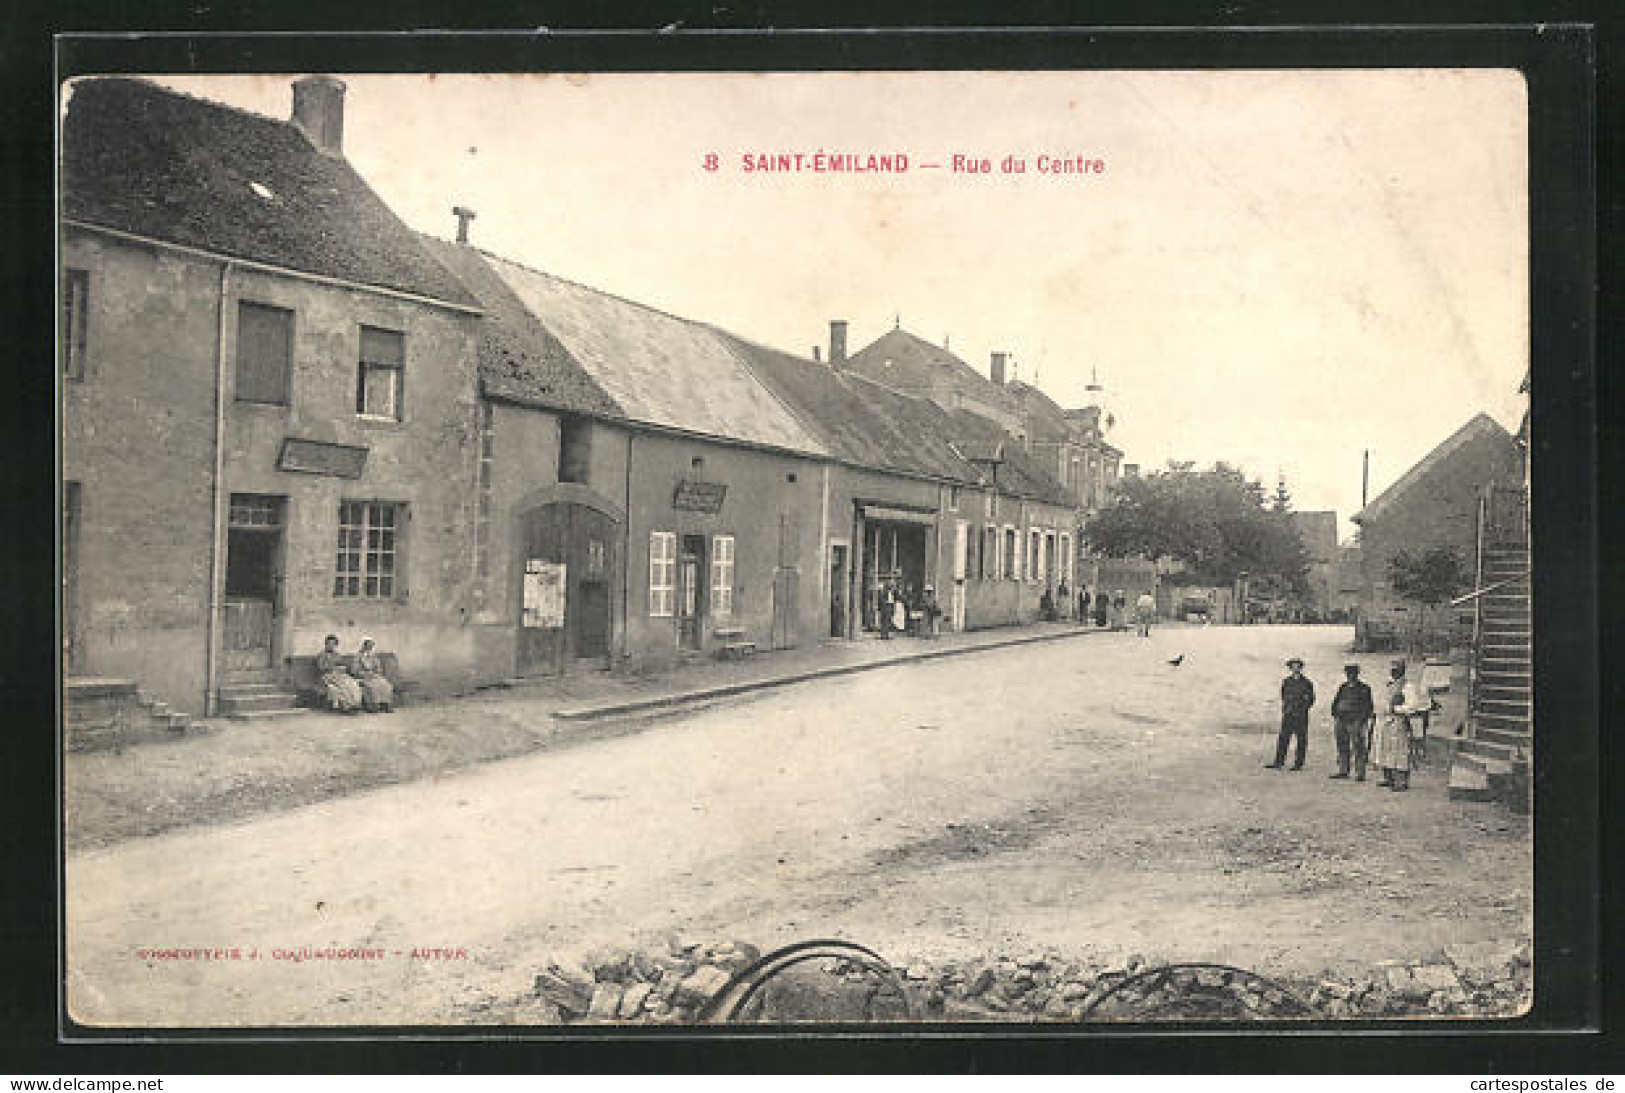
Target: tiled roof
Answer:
[[155, 163], [1018, 473], [1480, 425], [1043, 416], [520, 360], [902, 360], [657, 368], [860, 421]]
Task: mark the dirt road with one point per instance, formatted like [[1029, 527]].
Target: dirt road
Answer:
[[1076, 796]]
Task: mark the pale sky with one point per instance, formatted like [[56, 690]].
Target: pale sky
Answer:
[[1276, 269]]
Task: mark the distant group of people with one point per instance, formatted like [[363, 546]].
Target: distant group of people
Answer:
[[357, 683], [898, 604], [1390, 742], [1100, 608]]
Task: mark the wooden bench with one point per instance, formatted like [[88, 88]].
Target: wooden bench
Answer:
[[306, 681], [732, 644]]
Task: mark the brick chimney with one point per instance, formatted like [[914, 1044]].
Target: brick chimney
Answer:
[[318, 111], [463, 214], [837, 342], [996, 369], [818, 354]]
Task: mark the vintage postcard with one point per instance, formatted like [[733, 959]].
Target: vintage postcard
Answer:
[[680, 549]]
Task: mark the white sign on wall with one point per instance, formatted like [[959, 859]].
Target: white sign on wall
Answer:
[[544, 594]]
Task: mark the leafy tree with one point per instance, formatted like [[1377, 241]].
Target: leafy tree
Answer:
[[1427, 578], [1215, 521]]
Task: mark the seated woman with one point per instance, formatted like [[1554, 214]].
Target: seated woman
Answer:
[[377, 693], [343, 692]]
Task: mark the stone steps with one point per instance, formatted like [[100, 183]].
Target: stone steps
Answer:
[[242, 701]]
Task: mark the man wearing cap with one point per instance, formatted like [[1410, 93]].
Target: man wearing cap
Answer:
[[1297, 695], [1391, 749], [1352, 714]]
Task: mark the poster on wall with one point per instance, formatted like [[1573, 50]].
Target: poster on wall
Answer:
[[544, 594]]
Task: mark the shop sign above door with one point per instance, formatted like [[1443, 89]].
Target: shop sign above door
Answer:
[[321, 457], [699, 496]]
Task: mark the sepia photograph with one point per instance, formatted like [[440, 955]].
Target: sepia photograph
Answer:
[[818, 549]]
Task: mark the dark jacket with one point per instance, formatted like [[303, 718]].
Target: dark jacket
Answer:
[[1353, 702], [1297, 695]]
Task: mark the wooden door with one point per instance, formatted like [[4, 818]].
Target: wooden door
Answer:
[[253, 581], [837, 590], [568, 569]]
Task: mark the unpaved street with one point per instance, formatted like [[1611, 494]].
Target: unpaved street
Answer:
[[1080, 795]]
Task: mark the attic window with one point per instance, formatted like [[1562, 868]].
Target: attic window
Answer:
[[262, 191]]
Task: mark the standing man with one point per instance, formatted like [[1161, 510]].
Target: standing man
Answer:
[[1352, 714], [1392, 750], [1083, 604], [1297, 695]]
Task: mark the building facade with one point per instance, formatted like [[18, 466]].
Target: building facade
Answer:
[[1434, 504], [260, 398]]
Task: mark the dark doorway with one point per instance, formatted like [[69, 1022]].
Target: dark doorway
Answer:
[[253, 580], [837, 590], [567, 571], [691, 593]]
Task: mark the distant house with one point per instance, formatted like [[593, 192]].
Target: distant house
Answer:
[[1318, 533], [264, 379], [905, 362], [1434, 504], [937, 497]]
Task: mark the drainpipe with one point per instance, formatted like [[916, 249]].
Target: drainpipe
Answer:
[[626, 557], [217, 548], [825, 592]]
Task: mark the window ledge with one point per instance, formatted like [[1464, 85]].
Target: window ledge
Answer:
[[379, 419]]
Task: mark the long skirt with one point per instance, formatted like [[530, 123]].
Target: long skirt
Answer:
[[1391, 744], [377, 689], [343, 692]]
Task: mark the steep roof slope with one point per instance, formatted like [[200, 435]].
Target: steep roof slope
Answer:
[[520, 360], [861, 422], [142, 159], [655, 367], [1480, 425], [902, 360], [1018, 473]]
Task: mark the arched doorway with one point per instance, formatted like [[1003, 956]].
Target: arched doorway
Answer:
[[568, 570]]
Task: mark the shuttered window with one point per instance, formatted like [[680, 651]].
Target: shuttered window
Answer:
[[383, 357], [264, 353], [722, 575], [662, 573]]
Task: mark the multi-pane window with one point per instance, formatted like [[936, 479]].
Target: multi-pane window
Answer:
[[264, 353], [383, 359], [990, 553], [662, 573], [1066, 557], [75, 309], [722, 575], [368, 549], [1011, 553]]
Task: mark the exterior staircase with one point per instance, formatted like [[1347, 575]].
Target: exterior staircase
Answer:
[[256, 694], [112, 714], [1492, 763]]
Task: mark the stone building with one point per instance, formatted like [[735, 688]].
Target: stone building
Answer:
[[1434, 504], [285, 414], [265, 378], [642, 498]]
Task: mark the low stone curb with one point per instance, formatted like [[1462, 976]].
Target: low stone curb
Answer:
[[729, 690]]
